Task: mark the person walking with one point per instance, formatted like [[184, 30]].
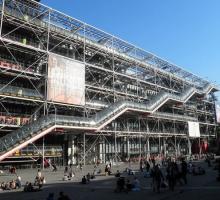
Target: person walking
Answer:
[[147, 167], [141, 165], [157, 178], [171, 176], [184, 171]]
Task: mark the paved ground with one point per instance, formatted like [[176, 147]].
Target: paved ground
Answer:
[[199, 187]]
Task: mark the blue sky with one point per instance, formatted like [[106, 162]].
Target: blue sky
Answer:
[[184, 32]]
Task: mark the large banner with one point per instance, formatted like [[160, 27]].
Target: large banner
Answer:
[[66, 80], [194, 130], [217, 111]]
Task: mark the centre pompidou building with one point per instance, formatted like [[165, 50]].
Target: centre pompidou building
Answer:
[[74, 93]]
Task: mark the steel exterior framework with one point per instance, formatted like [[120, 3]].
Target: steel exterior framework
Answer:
[[115, 70]]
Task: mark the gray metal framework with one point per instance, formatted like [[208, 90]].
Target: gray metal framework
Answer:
[[117, 74]]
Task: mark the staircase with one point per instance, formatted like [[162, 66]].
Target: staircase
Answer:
[[37, 129]]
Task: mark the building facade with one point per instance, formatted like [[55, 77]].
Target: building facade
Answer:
[[74, 93]]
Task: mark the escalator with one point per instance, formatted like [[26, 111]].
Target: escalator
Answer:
[[44, 125]]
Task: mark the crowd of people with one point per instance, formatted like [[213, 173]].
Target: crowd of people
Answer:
[[11, 185], [163, 173], [125, 185], [172, 174], [17, 184], [62, 196]]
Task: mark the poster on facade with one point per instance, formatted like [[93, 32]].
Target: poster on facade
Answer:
[[194, 130], [217, 111], [66, 80]]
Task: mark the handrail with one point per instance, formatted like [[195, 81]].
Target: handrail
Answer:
[[97, 121]]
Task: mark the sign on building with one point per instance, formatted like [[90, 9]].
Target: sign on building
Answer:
[[217, 111], [66, 80], [194, 130]]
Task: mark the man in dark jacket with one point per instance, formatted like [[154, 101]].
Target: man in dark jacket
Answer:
[[184, 171]]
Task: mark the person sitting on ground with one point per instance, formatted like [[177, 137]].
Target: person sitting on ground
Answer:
[[7, 186], [88, 177], [84, 181], [26, 187], [120, 186], [62, 196], [13, 185], [117, 174], [130, 171], [201, 171], [198, 171], [38, 177], [136, 185], [36, 180], [29, 188], [50, 196], [41, 181], [99, 171], [3, 186], [147, 174], [93, 176], [13, 170], [128, 185]]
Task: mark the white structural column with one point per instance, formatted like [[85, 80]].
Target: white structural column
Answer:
[[128, 147], [159, 145], [115, 148], [71, 150], [178, 149], [2, 16], [200, 149], [148, 148], [102, 152], [43, 153], [164, 146], [189, 146], [84, 149]]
